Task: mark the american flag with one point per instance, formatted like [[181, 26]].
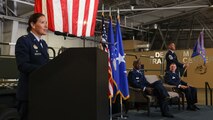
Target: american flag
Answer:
[[105, 48], [77, 17]]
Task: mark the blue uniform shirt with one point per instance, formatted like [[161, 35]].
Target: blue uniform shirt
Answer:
[[30, 55], [171, 57], [137, 79], [173, 79]]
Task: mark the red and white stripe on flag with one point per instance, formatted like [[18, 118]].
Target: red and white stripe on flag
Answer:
[[110, 77], [105, 48], [77, 17]]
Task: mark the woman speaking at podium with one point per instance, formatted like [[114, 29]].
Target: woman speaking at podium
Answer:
[[31, 53]]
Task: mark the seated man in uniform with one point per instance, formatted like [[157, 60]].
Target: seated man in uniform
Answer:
[[137, 79], [172, 78]]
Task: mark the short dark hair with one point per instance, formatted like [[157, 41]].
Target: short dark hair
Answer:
[[33, 18], [170, 42], [173, 64], [135, 62]]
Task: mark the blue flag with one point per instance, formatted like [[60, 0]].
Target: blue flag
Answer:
[[122, 81], [113, 56], [199, 47]]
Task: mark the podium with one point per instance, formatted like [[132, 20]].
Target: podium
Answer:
[[72, 86]]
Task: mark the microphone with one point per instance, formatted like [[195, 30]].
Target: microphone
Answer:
[[60, 33], [64, 34]]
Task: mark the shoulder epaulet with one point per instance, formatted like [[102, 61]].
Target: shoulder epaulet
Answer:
[[130, 71], [23, 36]]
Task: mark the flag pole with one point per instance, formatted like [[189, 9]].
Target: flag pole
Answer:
[[110, 97], [118, 17], [185, 68], [121, 102], [110, 11], [203, 30], [110, 107], [101, 44]]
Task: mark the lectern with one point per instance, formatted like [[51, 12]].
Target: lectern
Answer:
[[72, 86]]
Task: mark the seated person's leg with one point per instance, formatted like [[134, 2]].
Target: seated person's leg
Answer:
[[161, 90], [194, 97], [189, 99], [194, 94]]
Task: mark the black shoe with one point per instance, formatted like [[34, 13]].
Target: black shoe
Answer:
[[167, 98], [191, 108], [196, 107], [167, 115]]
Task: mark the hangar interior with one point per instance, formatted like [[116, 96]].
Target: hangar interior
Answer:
[[153, 21], [149, 23]]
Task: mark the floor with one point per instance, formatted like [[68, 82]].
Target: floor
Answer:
[[205, 112]]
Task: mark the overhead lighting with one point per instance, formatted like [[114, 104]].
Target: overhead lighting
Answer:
[[155, 26], [211, 3], [132, 7]]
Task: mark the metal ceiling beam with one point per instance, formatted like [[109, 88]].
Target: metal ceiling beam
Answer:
[[141, 30], [182, 4], [23, 2], [23, 20], [27, 14], [160, 8], [14, 18], [153, 39], [190, 34], [204, 26], [163, 38], [1, 7], [179, 31], [173, 16], [195, 29]]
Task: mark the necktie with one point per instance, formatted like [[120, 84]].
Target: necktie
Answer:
[[40, 41]]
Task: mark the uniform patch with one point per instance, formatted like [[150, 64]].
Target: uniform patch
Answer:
[[170, 57], [37, 53], [35, 47]]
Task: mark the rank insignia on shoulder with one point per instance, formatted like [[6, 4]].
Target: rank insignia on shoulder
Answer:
[[35, 47]]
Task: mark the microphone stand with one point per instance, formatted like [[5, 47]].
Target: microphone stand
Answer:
[[81, 37]]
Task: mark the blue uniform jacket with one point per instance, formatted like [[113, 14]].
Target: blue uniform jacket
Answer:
[[173, 79], [137, 79], [29, 56], [172, 58]]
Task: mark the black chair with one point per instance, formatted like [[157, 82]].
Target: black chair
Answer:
[[139, 100], [174, 89]]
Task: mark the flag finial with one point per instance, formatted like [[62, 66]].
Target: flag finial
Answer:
[[103, 9]]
